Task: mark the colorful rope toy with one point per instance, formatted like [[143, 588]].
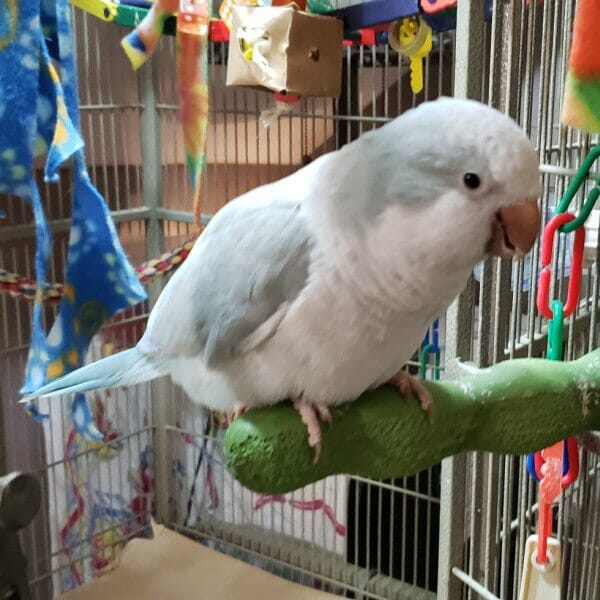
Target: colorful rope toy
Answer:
[[23, 287]]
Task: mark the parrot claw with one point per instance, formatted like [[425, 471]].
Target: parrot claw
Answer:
[[409, 385], [311, 414], [237, 411]]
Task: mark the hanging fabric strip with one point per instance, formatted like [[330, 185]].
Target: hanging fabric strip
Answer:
[[43, 118], [192, 51], [192, 79], [140, 43], [20, 47], [99, 281]]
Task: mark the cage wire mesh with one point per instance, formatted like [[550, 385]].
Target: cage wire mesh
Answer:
[[360, 538], [529, 50]]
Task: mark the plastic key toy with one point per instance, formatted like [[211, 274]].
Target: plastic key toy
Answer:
[[412, 37]]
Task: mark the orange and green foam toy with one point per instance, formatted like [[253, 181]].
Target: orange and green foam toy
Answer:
[[581, 107]]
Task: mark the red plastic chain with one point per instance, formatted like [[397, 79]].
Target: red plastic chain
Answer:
[[549, 234], [573, 472], [548, 463], [550, 487]]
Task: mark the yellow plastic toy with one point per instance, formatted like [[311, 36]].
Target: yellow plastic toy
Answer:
[[103, 9], [412, 37]]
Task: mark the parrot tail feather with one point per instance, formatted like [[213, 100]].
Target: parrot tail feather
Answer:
[[124, 368]]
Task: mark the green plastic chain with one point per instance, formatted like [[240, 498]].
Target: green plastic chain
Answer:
[[425, 352], [556, 332], [578, 181]]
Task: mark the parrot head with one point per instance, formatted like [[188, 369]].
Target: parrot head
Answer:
[[459, 166]]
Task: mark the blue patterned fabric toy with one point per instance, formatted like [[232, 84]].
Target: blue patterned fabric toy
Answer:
[[39, 115]]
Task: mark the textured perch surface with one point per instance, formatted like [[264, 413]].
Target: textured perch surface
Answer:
[[515, 407]]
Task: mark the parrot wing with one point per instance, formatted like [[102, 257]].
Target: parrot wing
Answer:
[[233, 291]]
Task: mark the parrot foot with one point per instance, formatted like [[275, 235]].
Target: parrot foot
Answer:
[[237, 411], [311, 414], [409, 385]]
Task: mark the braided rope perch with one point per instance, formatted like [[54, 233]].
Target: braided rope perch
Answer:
[[25, 288]]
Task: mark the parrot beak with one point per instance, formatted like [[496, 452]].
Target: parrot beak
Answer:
[[514, 230]]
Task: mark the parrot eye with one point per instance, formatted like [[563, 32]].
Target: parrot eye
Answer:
[[471, 180]]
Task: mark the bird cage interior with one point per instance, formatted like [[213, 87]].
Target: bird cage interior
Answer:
[[111, 463]]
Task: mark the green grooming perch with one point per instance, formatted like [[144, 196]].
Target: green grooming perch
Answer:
[[515, 407]]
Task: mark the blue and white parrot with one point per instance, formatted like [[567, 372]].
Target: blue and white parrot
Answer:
[[321, 285]]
